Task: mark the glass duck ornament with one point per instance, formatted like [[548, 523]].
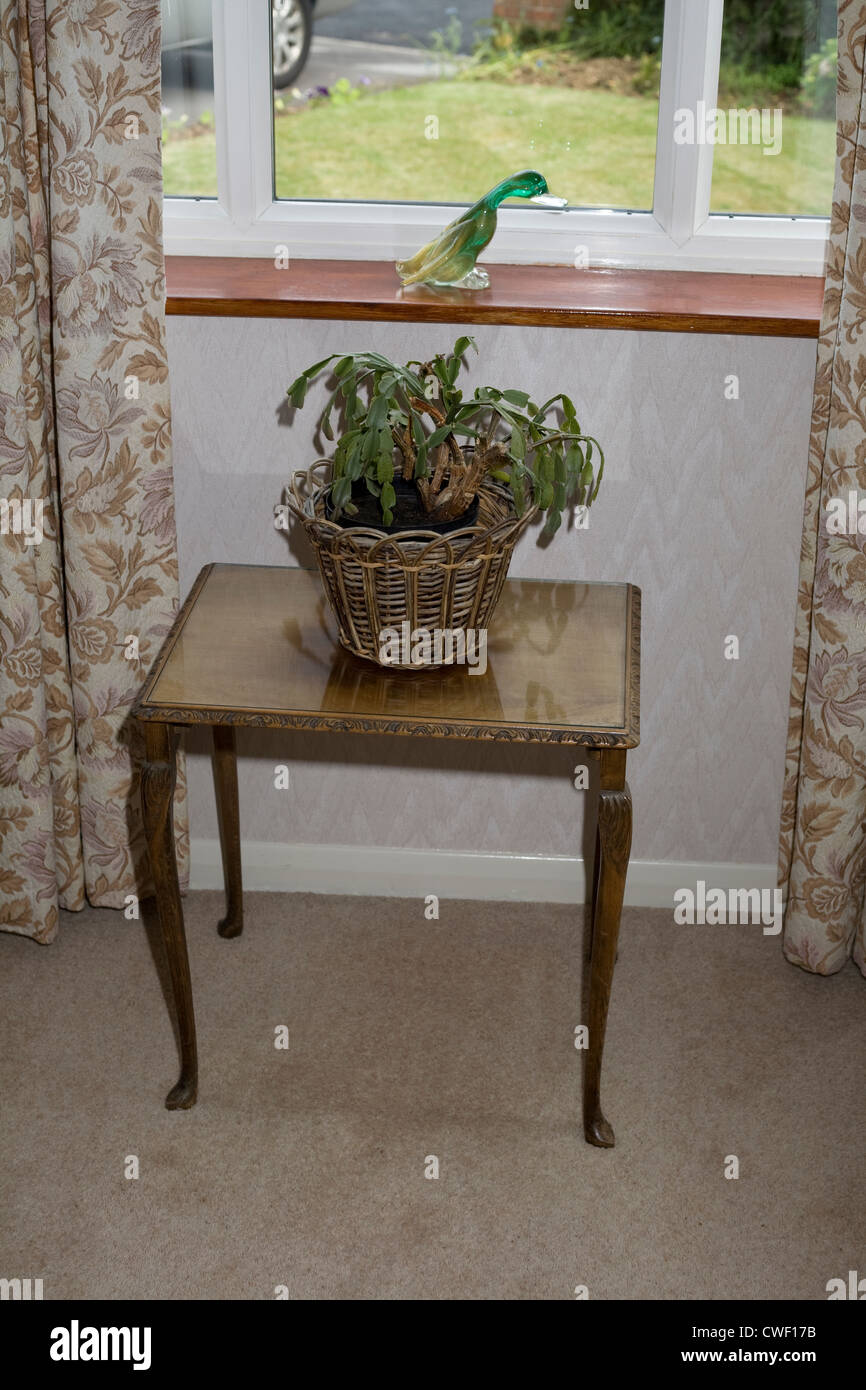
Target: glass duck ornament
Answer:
[[449, 259]]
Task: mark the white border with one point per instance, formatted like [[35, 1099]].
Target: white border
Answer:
[[680, 233]]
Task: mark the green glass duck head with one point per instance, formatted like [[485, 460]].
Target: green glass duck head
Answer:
[[530, 184]]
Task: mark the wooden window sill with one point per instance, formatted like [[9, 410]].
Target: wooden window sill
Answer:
[[671, 301]]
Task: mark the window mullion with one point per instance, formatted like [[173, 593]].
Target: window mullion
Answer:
[[691, 49], [242, 90], [261, 105], [221, 121]]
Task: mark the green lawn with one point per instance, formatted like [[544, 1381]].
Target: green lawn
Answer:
[[595, 147]]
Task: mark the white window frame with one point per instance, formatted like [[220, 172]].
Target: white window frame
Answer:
[[679, 234]]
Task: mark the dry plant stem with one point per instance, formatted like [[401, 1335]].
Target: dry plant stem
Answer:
[[449, 446], [463, 486], [464, 479]]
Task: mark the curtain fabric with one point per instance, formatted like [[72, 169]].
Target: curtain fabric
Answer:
[[88, 557], [823, 832]]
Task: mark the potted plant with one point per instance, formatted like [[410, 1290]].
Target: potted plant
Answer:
[[415, 518]]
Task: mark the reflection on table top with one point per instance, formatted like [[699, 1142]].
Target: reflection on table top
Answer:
[[257, 645]]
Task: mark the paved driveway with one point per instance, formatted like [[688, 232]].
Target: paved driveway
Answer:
[[399, 21], [377, 39], [383, 65]]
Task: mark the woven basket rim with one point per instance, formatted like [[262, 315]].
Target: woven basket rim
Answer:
[[304, 505]]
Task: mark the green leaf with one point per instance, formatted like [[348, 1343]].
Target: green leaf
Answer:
[[440, 370], [518, 444], [518, 398], [387, 384], [598, 476], [542, 410], [341, 492], [317, 366], [574, 462], [344, 366], [297, 392], [515, 482], [553, 522], [354, 462], [507, 416], [570, 415], [370, 445], [378, 413], [462, 344], [389, 496], [438, 436]]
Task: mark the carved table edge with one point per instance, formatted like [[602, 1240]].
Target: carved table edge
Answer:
[[179, 714]]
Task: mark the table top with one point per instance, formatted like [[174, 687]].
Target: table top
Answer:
[[256, 645]]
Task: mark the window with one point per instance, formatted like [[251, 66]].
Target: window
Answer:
[[777, 90], [189, 146], [691, 133]]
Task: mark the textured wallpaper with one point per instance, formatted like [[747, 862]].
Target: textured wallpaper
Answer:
[[701, 506]]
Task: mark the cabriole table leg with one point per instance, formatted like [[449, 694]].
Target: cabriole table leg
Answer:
[[158, 777], [225, 776], [613, 847]]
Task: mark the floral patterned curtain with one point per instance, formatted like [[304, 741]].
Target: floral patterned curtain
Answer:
[[88, 561], [823, 835]]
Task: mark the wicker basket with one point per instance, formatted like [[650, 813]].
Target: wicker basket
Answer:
[[377, 580]]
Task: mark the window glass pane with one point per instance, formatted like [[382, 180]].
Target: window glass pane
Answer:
[[776, 108], [188, 141], [416, 101]]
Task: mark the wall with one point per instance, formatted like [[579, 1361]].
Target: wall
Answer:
[[701, 507]]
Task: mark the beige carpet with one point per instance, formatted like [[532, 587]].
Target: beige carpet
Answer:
[[411, 1038]]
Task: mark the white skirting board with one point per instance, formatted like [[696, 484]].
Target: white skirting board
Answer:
[[413, 873]]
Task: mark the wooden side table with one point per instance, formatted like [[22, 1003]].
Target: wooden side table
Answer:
[[256, 646]]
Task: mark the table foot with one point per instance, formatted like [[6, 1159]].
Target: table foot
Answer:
[[183, 1095], [597, 1131], [231, 925]]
